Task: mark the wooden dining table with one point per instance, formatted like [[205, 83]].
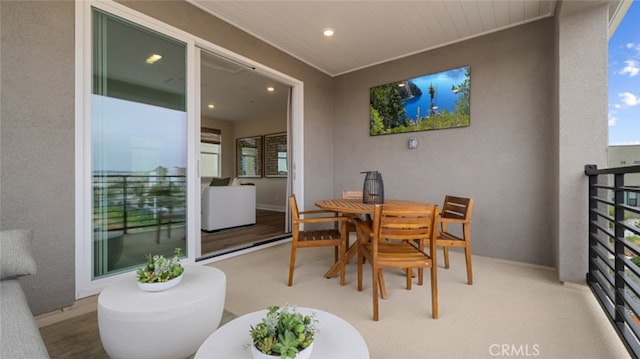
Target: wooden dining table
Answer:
[[353, 207]]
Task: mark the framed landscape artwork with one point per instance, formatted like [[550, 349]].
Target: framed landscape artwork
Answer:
[[429, 102]]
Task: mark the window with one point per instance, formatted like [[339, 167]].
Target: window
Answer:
[[282, 161], [210, 160], [210, 157]]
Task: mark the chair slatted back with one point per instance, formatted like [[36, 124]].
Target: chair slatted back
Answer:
[[402, 222], [457, 208], [295, 214], [352, 194]]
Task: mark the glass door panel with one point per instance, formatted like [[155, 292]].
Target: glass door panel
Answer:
[[139, 144]]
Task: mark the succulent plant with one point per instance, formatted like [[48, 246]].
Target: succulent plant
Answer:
[[284, 332], [160, 269]]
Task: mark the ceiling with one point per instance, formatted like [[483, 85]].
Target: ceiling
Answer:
[[371, 32], [237, 92]]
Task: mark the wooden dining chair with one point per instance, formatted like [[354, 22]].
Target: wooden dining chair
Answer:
[[317, 237], [352, 195], [456, 211], [395, 230]]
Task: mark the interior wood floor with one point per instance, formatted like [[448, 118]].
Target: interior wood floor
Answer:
[[79, 337], [269, 226]]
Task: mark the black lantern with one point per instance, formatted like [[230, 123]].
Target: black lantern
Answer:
[[373, 189]]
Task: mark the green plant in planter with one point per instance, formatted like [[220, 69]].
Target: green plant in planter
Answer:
[[284, 332], [160, 269]]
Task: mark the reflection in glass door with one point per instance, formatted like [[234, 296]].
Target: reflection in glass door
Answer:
[[139, 144]]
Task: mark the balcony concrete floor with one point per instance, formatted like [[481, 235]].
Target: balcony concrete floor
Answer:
[[511, 310]]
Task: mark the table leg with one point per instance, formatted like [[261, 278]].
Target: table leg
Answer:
[[351, 251], [335, 268]]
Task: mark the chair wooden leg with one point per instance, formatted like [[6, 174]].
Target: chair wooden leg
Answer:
[[343, 258], [360, 261], [292, 263], [434, 292], [382, 285], [445, 249], [409, 274], [374, 288], [467, 253]]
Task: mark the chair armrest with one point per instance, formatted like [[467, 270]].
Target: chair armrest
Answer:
[[316, 211]]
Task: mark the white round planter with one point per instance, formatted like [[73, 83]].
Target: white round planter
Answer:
[[160, 286], [303, 354]]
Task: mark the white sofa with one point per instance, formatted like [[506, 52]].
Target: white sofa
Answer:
[[227, 207]]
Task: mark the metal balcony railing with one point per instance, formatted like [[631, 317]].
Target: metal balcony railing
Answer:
[[614, 249], [129, 202]]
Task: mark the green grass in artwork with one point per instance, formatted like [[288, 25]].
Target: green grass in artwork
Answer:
[[443, 120]]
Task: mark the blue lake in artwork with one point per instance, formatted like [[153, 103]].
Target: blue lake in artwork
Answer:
[[444, 97]]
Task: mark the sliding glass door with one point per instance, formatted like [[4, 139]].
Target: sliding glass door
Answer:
[[139, 144], [137, 126]]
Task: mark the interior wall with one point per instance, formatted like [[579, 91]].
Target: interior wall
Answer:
[[270, 192], [501, 159]]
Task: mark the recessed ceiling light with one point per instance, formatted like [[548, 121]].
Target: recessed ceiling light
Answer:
[[328, 32], [211, 105], [153, 58], [270, 89]]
